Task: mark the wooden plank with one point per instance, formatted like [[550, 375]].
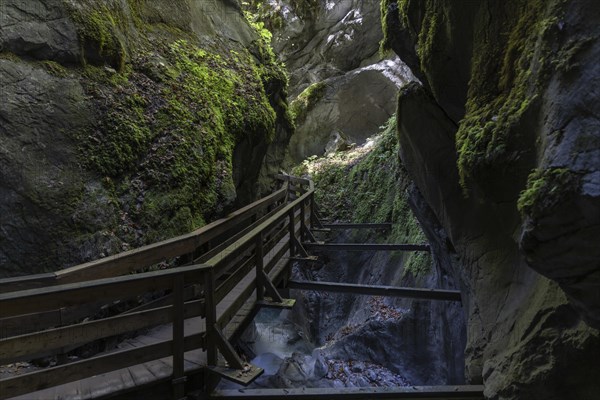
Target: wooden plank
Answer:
[[244, 291], [230, 259], [218, 249], [365, 247], [22, 324], [279, 253], [28, 323], [224, 288], [406, 393], [178, 332], [385, 225], [42, 379], [40, 344], [375, 290], [294, 179], [37, 300], [26, 282], [190, 292], [136, 259], [38, 380]]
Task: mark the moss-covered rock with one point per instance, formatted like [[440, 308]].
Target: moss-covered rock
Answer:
[[179, 122], [306, 100], [494, 139]]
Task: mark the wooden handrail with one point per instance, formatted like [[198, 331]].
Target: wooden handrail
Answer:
[[147, 255], [40, 344], [102, 280], [53, 297], [136, 259]]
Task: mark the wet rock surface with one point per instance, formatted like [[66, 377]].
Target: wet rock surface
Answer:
[[38, 29]]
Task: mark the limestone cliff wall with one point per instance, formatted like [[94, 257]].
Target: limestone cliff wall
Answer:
[[502, 141], [123, 122]]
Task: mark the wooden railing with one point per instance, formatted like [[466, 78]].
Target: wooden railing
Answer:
[[146, 256], [210, 236], [250, 248], [225, 268]]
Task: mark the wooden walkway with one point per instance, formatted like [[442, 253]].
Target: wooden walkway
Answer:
[[228, 269], [127, 379]]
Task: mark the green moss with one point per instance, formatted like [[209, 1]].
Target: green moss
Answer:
[[170, 113], [545, 190], [507, 73], [431, 39], [306, 100], [371, 188], [55, 68], [102, 28], [392, 11], [272, 72], [7, 55], [567, 59]]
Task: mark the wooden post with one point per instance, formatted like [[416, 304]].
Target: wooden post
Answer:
[[311, 205], [178, 378], [211, 318], [259, 260], [302, 222], [292, 234]]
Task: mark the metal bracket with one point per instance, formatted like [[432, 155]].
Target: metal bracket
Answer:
[[285, 303], [243, 376]]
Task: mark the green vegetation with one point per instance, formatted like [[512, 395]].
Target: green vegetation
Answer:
[[170, 111], [511, 60], [103, 30], [507, 74], [368, 185], [545, 190], [391, 10], [306, 100], [273, 16]]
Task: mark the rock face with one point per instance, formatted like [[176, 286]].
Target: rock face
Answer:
[[352, 106], [125, 122], [319, 39], [501, 140], [333, 45]]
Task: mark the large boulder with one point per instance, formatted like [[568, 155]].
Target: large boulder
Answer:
[[352, 106]]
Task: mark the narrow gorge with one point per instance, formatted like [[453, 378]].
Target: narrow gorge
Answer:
[[469, 127]]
